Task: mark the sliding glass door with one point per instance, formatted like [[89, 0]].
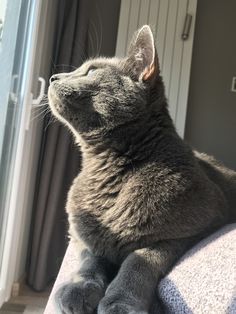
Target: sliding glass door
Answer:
[[10, 104], [18, 29]]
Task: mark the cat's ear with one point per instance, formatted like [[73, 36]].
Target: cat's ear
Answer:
[[142, 60]]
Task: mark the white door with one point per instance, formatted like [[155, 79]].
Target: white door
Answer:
[[19, 34], [172, 22]]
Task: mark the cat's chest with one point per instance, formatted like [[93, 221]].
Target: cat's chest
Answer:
[[96, 193], [92, 207]]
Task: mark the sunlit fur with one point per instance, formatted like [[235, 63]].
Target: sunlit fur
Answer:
[[143, 196]]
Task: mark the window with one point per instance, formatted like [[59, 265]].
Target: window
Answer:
[[18, 27]]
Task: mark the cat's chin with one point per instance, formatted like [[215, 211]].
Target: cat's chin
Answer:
[[55, 103], [56, 106]]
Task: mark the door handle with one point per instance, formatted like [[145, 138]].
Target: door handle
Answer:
[[187, 26], [34, 101], [38, 100]]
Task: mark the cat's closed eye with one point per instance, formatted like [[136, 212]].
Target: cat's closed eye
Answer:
[[91, 71]]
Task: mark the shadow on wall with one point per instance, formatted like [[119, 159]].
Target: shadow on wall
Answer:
[[210, 123]]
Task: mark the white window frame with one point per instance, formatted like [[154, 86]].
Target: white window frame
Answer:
[[15, 207]]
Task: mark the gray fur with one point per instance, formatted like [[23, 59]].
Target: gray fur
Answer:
[[143, 196]]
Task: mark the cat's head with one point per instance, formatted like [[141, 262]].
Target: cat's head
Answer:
[[108, 93]]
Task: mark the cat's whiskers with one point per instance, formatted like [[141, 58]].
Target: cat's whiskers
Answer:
[[94, 29], [81, 54], [51, 120], [100, 32], [57, 67], [53, 66], [68, 66], [63, 68], [91, 39], [43, 109], [39, 117], [40, 105], [44, 102]]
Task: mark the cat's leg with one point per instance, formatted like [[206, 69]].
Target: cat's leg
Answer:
[[133, 289], [87, 286]]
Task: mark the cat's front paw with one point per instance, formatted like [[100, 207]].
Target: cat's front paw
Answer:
[[78, 298], [115, 305]]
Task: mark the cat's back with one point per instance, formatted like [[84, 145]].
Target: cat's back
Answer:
[[223, 177]]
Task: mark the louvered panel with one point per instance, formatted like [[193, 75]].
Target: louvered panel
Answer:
[[123, 28], [144, 12], [166, 18], [169, 43], [133, 20], [181, 107], [153, 16], [161, 29], [173, 90]]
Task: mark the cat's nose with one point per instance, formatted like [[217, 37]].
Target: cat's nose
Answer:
[[53, 78]]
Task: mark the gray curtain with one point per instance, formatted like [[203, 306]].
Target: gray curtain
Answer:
[[84, 28]]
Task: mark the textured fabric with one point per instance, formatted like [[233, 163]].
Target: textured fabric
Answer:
[[84, 28], [203, 282], [69, 265]]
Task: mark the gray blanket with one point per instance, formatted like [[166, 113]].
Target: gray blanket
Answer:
[[203, 282]]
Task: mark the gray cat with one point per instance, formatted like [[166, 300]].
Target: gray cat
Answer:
[[143, 196]]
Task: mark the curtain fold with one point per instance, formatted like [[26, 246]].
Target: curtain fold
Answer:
[[85, 28]]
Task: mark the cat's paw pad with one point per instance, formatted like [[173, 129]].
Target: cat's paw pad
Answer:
[[106, 306], [80, 298]]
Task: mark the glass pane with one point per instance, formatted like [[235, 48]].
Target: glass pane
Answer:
[[2, 16], [13, 56]]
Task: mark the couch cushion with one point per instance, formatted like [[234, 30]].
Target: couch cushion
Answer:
[[204, 280]]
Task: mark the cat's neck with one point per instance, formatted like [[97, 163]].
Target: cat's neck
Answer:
[[128, 145]]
